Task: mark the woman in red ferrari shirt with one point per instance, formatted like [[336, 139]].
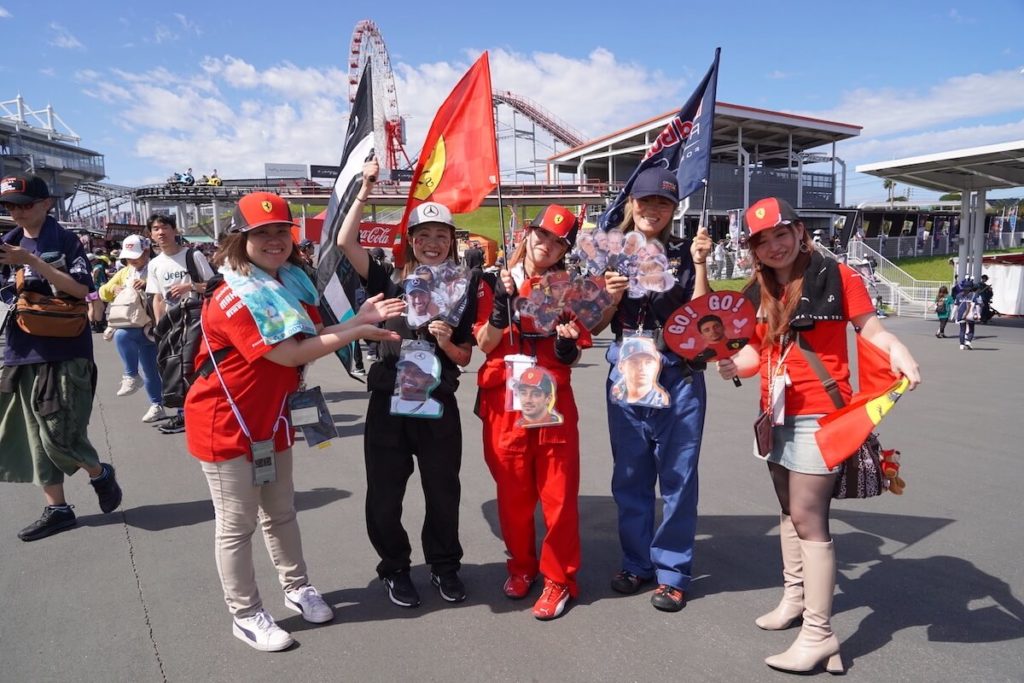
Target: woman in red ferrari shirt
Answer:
[[263, 325], [800, 290]]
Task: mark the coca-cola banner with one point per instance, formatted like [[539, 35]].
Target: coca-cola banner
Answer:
[[377, 234]]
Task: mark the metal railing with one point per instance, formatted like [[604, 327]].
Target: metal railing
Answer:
[[905, 294]]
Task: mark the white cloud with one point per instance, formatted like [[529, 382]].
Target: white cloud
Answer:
[[777, 75], [162, 34], [888, 110], [596, 94], [63, 38], [4, 14], [48, 71], [187, 24], [229, 115]]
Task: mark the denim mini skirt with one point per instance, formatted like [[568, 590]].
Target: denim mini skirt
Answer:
[[794, 447]]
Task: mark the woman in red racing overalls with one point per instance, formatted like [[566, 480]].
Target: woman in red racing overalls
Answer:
[[531, 463]]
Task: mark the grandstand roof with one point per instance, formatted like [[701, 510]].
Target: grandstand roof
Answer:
[[974, 168], [767, 135]]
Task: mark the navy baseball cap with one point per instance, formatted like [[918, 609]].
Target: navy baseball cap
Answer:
[[23, 188], [656, 182]]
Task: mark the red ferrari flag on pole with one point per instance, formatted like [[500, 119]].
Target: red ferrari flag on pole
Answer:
[[458, 165], [843, 431]]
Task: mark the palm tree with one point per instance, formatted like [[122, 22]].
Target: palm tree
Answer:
[[890, 185]]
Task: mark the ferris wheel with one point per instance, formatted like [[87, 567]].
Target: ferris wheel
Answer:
[[388, 125]]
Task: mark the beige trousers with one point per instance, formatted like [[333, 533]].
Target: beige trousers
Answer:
[[238, 505]]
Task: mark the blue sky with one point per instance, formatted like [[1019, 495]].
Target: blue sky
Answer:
[[158, 87]]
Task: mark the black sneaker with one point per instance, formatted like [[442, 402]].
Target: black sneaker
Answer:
[[668, 598], [176, 425], [53, 520], [449, 585], [627, 583], [400, 589], [107, 489]]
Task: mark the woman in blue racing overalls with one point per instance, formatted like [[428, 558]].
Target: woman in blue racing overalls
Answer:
[[657, 445]]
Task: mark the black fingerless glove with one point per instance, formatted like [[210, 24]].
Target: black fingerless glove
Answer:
[[501, 312], [566, 350]]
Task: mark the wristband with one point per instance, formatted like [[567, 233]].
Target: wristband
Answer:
[[566, 350]]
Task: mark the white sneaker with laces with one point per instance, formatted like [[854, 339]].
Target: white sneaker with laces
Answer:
[[308, 602], [260, 631], [155, 413], [129, 385]]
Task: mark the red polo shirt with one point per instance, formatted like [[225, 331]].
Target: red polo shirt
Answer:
[[258, 386]]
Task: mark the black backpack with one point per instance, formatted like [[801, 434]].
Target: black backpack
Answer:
[[178, 336]]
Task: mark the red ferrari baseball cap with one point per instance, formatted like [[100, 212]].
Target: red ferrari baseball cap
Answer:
[[260, 208], [537, 377], [559, 221], [767, 213]]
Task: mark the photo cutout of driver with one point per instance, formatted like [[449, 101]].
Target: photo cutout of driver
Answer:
[[420, 305], [712, 333], [419, 373], [535, 392], [639, 366]]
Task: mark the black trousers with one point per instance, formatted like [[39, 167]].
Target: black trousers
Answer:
[[389, 445]]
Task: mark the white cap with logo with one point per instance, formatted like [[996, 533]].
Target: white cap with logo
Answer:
[[430, 212], [134, 246]]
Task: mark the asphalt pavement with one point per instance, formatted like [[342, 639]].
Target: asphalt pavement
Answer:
[[930, 583]]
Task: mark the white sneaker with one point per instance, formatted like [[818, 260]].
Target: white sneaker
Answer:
[[155, 413], [260, 632], [129, 385], [308, 602]]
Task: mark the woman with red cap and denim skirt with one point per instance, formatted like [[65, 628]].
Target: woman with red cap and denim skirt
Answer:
[[805, 303], [532, 456], [657, 445]]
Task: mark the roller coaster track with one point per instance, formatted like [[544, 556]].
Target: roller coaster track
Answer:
[[545, 119]]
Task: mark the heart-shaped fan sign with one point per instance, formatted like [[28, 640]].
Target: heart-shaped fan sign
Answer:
[[712, 327]]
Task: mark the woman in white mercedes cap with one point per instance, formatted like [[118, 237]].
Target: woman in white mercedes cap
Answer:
[[394, 437]]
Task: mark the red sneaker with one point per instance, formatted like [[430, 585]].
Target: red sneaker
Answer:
[[552, 601], [517, 586]]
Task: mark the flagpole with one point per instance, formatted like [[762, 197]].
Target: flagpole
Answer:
[[504, 250]]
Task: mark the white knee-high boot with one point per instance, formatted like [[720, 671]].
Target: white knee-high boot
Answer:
[[792, 604], [816, 642]]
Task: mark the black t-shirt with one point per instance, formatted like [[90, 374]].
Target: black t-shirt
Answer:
[[382, 374]]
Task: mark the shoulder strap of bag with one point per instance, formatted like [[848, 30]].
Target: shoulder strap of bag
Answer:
[[831, 386], [190, 265]]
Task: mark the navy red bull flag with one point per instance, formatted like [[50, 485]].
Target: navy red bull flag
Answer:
[[336, 280], [684, 146]]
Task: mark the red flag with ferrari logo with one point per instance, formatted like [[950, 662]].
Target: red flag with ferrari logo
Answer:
[[458, 165], [843, 431]]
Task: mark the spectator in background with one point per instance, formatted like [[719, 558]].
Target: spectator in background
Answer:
[[474, 256], [306, 250], [42, 441], [134, 344], [943, 309], [170, 280]]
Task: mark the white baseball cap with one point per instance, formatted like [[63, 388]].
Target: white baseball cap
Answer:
[[426, 362], [134, 246], [430, 212]]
